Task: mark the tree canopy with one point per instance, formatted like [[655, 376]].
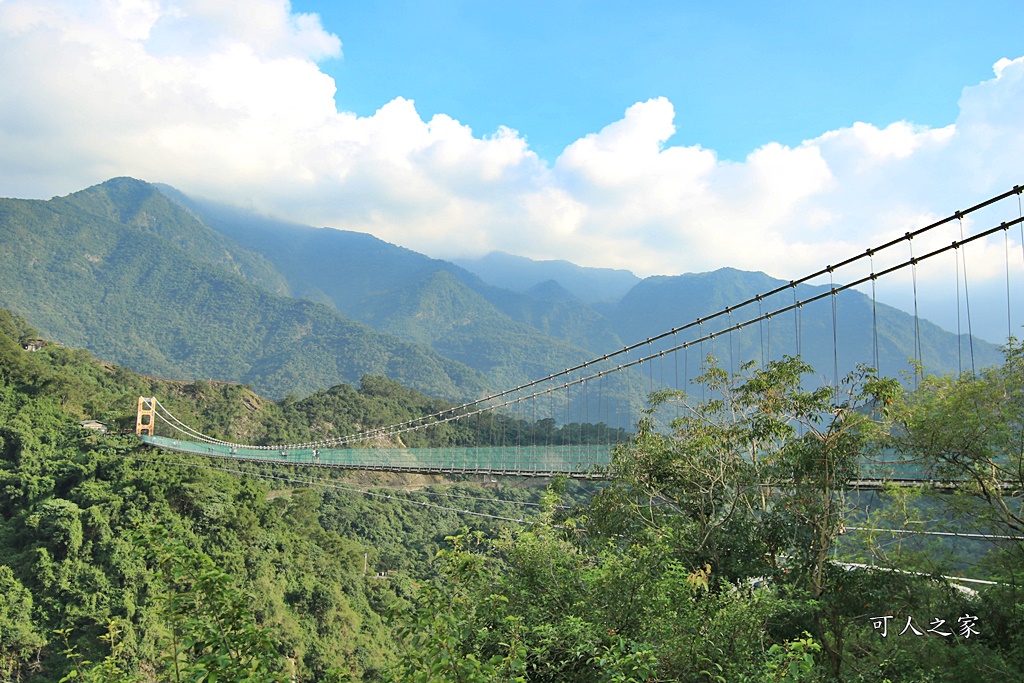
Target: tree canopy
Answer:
[[727, 548]]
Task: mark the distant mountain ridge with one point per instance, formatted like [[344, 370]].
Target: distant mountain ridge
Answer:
[[521, 274], [505, 334], [172, 285], [657, 304], [594, 309], [119, 269]]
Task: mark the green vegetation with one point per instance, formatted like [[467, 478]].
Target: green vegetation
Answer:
[[418, 298], [712, 557], [139, 560], [134, 277], [175, 287]]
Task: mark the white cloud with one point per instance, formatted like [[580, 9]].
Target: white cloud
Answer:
[[226, 100]]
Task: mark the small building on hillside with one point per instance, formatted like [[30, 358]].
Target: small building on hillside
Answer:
[[34, 344], [94, 424]]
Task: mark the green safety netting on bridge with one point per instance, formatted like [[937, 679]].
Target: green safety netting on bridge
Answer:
[[891, 467], [574, 461]]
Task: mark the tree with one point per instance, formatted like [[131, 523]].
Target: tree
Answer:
[[755, 475], [970, 429], [209, 633], [442, 628], [19, 639], [213, 635]]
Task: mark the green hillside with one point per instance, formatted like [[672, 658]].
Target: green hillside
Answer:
[[123, 564], [378, 283], [184, 287], [129, 202], [554, 311], [658, 303], [440, 312], [362, 277], [93, 527], [157, 293]]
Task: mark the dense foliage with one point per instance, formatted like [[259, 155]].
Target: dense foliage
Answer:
[[194, 290], [716, 555], [126, 272], [117, 563]]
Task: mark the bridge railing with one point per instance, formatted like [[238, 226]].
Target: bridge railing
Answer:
[[572, 461]]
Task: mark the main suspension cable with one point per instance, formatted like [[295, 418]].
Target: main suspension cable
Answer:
[[466, 409]]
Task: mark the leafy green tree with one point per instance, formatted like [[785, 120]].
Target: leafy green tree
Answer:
[[213, 636], [759, 451], [19, 638], [115, 667], [970, 429], [792, 662], [754, 477], [443, 637], [209, 633], [610, 609]]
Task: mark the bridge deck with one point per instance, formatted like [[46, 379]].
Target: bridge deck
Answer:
[[585, 462], [877, 483]]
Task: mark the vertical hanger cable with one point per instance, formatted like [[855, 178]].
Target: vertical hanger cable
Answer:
[[967, 295]]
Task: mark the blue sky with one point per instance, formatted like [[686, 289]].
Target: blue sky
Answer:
[[741, 74], [679, 137]]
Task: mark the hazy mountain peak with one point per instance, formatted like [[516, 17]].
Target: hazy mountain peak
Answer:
[[519, 274], [122, 199], [551, 290]]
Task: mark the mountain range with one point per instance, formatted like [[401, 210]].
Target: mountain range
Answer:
[[179, 286]]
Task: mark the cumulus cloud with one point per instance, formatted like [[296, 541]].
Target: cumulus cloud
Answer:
[[227, 100]]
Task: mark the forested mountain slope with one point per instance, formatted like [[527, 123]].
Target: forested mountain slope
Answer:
[[123, 564], [591, 308], [658, 303], [93, 527], [397, 290], [125, 272], [140, 276]]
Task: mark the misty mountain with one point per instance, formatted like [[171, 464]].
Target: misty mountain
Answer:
[[659, 303], [520, 274], [182, 287], [130, 275], [377, 283], [364, 276]]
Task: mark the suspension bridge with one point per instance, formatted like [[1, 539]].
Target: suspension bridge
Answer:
[[601, 397]]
